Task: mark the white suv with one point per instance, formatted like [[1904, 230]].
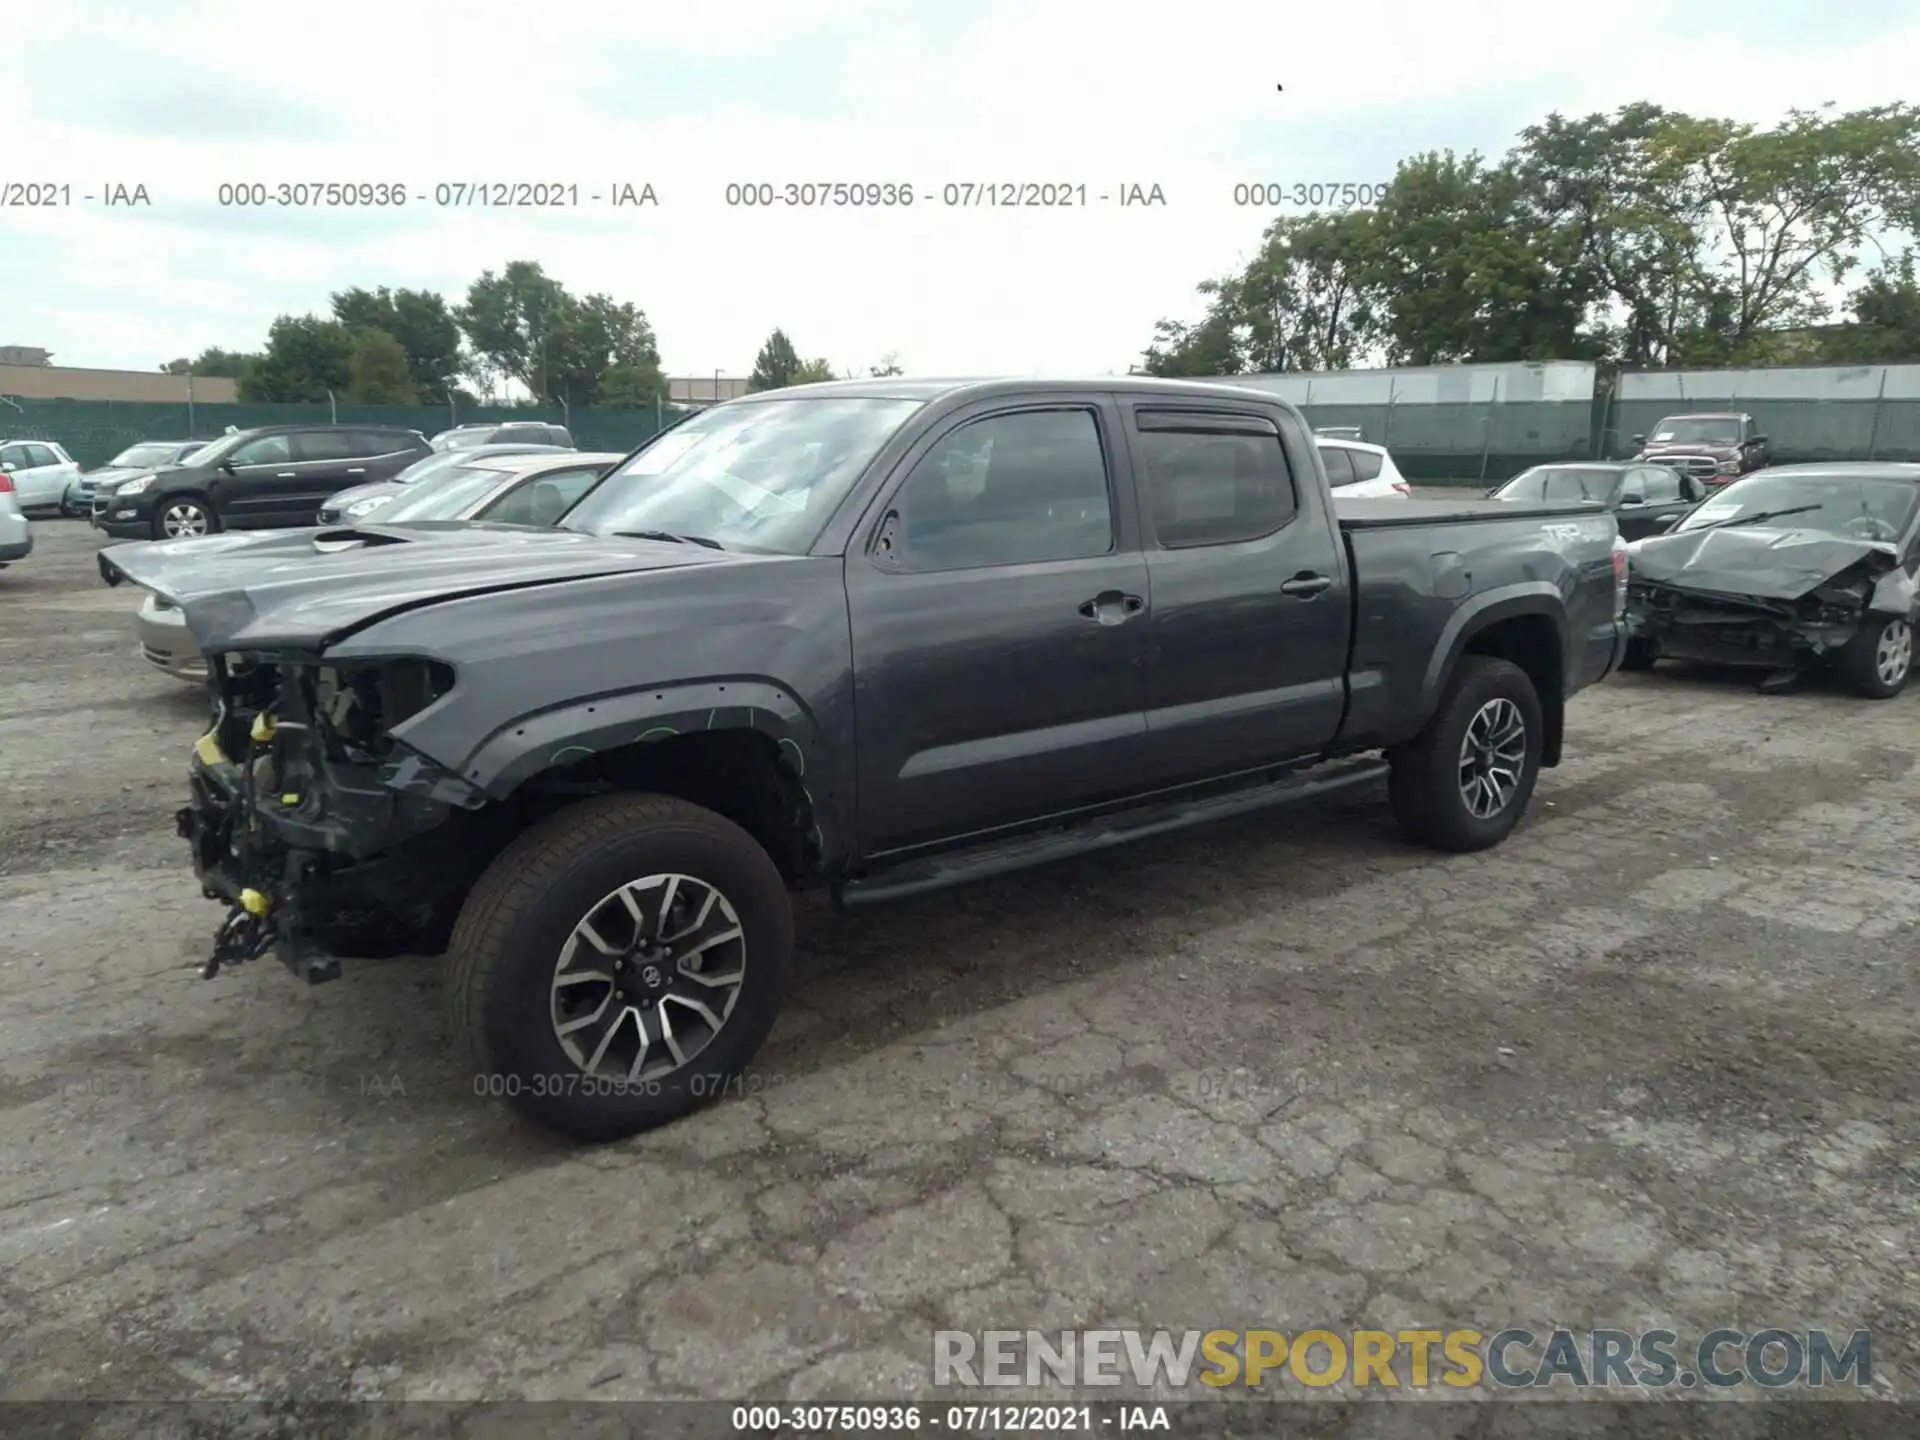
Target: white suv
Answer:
[[40, 471], [1358, 470]]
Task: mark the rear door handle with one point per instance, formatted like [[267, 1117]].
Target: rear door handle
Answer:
[[1112, 607], [358, 470], [286, 475], [1306, 585]]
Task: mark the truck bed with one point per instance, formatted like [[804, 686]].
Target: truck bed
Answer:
[[1365, 513]]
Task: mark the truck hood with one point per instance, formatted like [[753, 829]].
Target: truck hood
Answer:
[[1717, 452], [1755, 561], [303, 589]]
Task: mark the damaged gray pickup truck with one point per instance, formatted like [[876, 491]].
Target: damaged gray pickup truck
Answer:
[[1797, 568], [876, 637]]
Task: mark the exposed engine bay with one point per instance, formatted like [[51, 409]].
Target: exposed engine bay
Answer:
[[1693, 612], [303, 808]]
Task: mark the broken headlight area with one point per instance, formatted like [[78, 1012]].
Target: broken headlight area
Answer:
[[1738, 630], [301, 793]]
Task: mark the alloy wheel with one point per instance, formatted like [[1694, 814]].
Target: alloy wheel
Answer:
[[1894, 652], [183, 519], [1492, 755], [648, 978]]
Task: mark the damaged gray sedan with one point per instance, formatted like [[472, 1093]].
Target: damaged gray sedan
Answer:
[[1796, 568]]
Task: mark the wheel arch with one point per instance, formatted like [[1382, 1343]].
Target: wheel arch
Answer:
[[1526, 624], [747, 749]]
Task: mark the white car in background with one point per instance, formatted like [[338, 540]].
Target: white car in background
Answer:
[[40, 471], [16, 535], [1358, 470]]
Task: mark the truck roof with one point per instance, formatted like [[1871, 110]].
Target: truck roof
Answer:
[[901, 388]]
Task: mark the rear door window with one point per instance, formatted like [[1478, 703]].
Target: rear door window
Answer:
[[1339, 465]]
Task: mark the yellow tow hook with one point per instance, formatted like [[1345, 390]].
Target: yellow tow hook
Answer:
[[255, 903], [263, 728]]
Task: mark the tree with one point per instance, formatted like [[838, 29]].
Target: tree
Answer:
[[813, 372], [1210, 347], [1885, 328], [631, 387], [420, 321], [889, 365], [378, 372], [213, 361], [522, 323], [509, 320], [306, 357], [776, 364]]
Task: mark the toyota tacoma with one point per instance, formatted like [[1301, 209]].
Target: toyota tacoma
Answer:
[[870, 637]]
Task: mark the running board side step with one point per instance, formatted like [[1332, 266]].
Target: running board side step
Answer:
[[1103, 832]]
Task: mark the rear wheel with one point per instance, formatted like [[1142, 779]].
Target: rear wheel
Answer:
[[1879, 660], [181, 517], [1463, 782], [619, 963], [1640, 654]]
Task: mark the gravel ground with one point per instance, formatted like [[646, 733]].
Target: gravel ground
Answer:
[[1651, 1061]]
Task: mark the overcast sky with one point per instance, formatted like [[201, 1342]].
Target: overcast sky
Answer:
[[180, 97]]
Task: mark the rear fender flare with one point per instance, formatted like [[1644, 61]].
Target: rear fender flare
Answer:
[[1531, 597], [532, 744]]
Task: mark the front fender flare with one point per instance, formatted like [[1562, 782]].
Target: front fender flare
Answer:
[[525, 747]]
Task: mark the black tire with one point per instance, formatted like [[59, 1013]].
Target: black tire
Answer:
[[507, 943], [1640, 654], [1878, 662], [1425, 785], [187, 499]]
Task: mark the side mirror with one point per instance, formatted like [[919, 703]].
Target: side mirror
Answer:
[[1627, 502], [227, 466], [1757, 441], [1639, 439]]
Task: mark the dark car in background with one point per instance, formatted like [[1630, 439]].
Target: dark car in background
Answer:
[[504, 432], [137, 459], [264, 479], [359, 501], [1715, 448], [1643, 499]]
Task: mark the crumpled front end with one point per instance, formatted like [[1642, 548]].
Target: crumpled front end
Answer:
[[309, 820], [1684, 623]]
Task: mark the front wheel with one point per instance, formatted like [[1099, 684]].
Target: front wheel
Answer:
[[181, 517], [1464, 781], [619, 963], [1879, 660]]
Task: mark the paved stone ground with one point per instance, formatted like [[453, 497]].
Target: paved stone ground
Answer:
[[1651, 1061]]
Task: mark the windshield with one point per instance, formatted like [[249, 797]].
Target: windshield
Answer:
[[216, 449], [1548, 483], [1696, 430], [443, 495], [761, 476], [147, 455], [1863, 509], [462, 439]]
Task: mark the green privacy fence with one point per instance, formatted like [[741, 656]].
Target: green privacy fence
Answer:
[[1453, 422], [1446, 423], [1856, 412], [94, 431]]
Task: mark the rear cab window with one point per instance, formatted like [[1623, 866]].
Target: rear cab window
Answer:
[[1213, 477]]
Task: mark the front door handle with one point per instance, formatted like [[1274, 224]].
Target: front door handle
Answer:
[[1306, 585], [286, 475], [358, 470], [1112, 607]]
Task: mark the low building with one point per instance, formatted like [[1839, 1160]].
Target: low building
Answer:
[[691, 392], [38, 381]]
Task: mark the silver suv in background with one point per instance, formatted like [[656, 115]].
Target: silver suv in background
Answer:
[[504, 432]]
